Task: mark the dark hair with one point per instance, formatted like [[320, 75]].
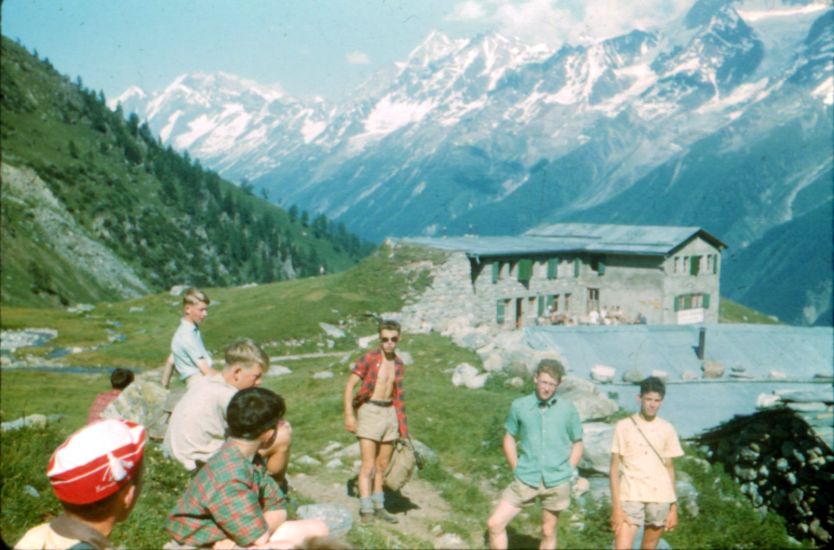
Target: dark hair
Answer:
[[390, 324], [653, 384], [121, 378], [253, 411], [553, 367]]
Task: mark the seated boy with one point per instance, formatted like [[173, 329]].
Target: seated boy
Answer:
[[119, 380], [197, 428], [96, 474], [232, 500]]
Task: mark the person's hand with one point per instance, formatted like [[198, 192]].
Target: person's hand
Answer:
[[672, 517], [225, 544], [350, 423], [617, 519]]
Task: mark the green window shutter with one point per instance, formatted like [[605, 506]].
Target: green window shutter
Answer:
[[677, 303], [576, 265], [499, 312], [694, 265], [687, 301], [541, 305], [715, 264], [706, 301], [525, 270], [496, 267], [601, 269], [552, 268], [550, 298]]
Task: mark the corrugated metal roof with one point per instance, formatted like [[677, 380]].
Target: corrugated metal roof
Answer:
[[754, 350], [573, 237]]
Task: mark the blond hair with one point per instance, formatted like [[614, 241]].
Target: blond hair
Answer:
[[194, 296], [246, 352], [553, 367]]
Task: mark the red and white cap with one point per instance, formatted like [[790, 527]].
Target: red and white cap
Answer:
[[96, 461]]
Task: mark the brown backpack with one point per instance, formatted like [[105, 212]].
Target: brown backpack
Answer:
[[404, 461]]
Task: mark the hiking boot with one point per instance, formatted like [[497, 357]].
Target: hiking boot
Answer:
[[366, 517], [383, 514]]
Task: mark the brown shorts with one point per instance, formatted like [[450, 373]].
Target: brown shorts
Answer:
[[554, 499], [651, 513], [377, 423]]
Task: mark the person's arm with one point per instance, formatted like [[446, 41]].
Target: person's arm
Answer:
[[350, 417], [672, 517], [204, 367], [510, 450], [168, 371], [617, 516], [278, 454], [576, 453]]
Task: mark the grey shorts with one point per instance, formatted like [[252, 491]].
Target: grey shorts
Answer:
[[377, 423], [650, 513], [554, 499]]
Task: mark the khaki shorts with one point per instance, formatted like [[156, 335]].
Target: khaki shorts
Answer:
[[554, 499], [377, 423], [652, 513]]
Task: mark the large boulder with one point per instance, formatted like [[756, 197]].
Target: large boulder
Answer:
[[467, 375], [712, 369], [597, 439], [633, 376], [339, 519], [143, 402], [603, 373], [589, 401]]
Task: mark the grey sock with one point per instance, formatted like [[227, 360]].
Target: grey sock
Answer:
[[378, 500], [366, 505]]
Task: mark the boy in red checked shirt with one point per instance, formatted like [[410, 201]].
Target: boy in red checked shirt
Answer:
[[376, 414]]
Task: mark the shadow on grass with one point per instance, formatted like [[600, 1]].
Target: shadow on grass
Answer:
[[395, 501], [521, 540]]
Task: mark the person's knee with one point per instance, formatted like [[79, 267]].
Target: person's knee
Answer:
[[318, 528], [548, 530], [496, 523]]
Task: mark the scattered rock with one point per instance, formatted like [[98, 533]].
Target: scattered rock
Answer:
[[136, 309], [177, 290], [662, 374], [80, 308], [339, 519], [633, 376], [603, 373], [776, 375], [307, 460], [514, 382], [712, 369], [331, 448], [365, 341], [332, 331], [689, 375], [450, 540], [31, 491], [493, 363], [467, 375], [334, 464], [426, 453], [323, 375], [406, 357], [278, 370], [10, 340], [29, 421]]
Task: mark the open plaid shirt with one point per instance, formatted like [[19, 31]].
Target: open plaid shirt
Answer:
[[102, 400], [226, 499], [367, 368]]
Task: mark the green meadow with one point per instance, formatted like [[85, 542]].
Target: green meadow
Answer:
[[464, 427]]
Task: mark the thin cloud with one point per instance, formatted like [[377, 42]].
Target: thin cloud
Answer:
[[357, 58], [467, 11], [556, 22]]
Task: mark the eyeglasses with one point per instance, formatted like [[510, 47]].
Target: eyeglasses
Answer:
[[386, 340]]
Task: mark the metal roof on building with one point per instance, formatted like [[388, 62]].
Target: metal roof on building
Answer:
[[574, 237], [749, 353]]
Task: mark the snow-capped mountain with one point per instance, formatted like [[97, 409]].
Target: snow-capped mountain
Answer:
[[723, 120]]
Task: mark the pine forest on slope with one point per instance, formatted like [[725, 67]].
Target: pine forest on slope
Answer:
[[95, 207]]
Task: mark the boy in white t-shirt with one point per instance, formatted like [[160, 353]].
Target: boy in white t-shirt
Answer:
[[642, 475]]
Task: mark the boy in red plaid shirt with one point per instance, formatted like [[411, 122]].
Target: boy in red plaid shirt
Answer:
[[377, 416], [233, 501]]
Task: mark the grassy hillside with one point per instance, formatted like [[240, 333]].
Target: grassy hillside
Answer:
[[464, 427], [77, 174]]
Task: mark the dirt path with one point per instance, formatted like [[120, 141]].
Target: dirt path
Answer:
[[420, 509]]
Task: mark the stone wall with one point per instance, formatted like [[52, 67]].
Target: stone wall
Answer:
[[781, 464]]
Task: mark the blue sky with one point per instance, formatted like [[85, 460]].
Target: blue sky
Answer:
[[310, 47]]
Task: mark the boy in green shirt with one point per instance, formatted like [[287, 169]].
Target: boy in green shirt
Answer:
[[550, 444]]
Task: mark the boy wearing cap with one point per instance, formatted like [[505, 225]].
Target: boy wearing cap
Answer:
[[232, 500], [96, 474], [642, 475], [550, 445], [198, 425], [188, 353]]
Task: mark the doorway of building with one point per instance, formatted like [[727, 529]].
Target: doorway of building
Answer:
[[519, 312]]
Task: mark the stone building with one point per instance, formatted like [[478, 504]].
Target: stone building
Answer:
[[579, 273]]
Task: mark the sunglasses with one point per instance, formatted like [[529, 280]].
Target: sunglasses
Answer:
[[394, 339]]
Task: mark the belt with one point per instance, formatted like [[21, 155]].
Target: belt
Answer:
[[380, 403]]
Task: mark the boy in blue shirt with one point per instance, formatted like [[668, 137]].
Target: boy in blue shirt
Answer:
[[549, 437]]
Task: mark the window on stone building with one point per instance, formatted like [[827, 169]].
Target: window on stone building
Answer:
[[709, 263], [676, 267], [685, 264], [593, 299], [525, 270], [715, 265], [598, 265], [553, 301], [577, 265], [567, 302], [496, 272], [692, 301], [553, 268], [694, 265], [500, 311]]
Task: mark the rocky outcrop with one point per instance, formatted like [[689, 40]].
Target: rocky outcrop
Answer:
[[781, 464]]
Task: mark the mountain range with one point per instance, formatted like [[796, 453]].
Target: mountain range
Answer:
[[722, 119]]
